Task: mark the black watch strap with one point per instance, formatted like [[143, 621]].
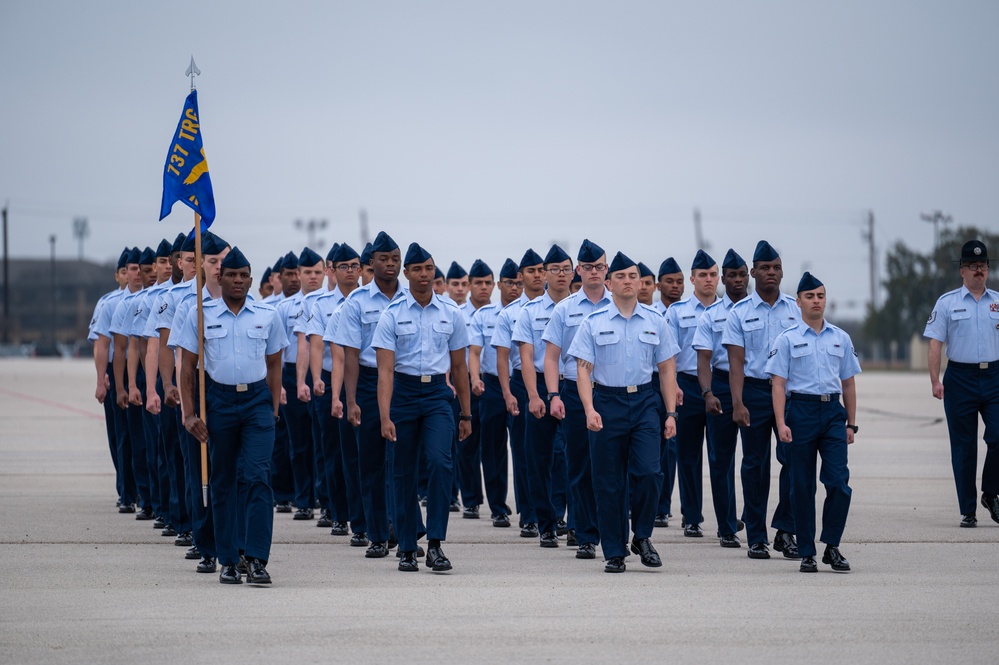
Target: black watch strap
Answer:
[[853, 427], [465, 418]]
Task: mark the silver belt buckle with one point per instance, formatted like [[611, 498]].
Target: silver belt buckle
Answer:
[[424, 379], [241, 387], [825, 398], [983, 365], [632, 389]]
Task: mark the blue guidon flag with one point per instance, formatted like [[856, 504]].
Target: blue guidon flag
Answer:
[[185, 175]]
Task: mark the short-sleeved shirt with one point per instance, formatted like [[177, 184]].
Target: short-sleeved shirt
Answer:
[[124, 312], [422, 338], [144, 304], [100, 325], [236, 345], [624, 351], [565, 320], [503, 333], [480, 333], [969, 328], [163, 312], [361, 311], [320, 309], [813, 363], [754, 325], [187, 304], [531, 324], [683, 318], [708, 336], [291, 310]]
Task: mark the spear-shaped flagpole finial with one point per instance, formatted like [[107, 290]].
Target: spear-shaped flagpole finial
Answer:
[[192, 71]]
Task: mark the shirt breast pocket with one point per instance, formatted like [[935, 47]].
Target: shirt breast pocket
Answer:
[[609, 349], [405, 336], [368, 321], [647, 348], [215, 344], [442, 335], [803, 360], [258, 342], [754, 333], [538, 326], [961, 322], [573, 320], [688, 326]]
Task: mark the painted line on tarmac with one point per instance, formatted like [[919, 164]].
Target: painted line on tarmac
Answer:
[[46, 402]]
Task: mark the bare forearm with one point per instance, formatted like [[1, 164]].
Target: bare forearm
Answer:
[[850, 400], [779, 399]]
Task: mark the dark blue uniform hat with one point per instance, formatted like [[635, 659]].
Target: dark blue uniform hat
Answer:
[[416, 254], [480, 269], [212, 244], [163, 250], [589, 251], [438, 274], [974, 251], [808, 282], [764, 252], [556, 255], [732, 260], [234, 260], [278, 265], [289, 262], [330, 254], [366, 254], [509, 270], [702, 261], [308, 258], [344, 253], [620, 262], [266, 276], [575, 278], [178, 243], [643, 271], [134, 254], [122, 258], [531, 258], [188, 245], [383, 243], [147, 257], [668, 267], [455, 271]]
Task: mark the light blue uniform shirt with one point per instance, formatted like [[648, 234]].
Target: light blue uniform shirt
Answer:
[[969, 329], [361, 311], [290, 310], [273, 299], [660, 307], [683, 318], [565, 321], [708, 336], [320, 309], [329, 335], [166, 305], [124, 311], [530, 326], [813, 363], [188, 303], [421, 337], [236, 345], [503, 332], [624, 351], [101, 323], [754, 325], [144, 304], [480, 333]]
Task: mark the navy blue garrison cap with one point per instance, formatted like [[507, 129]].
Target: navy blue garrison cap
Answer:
[[123, 258], [702, 261], [344, 253], [289, 262], [732, 260], [178, 243], [808, 282], [147, 257], [383, 243], [133, 255], [330, 254], [212, 244], [509, 270], [531, 258], [163, 249], [366, 254], [456, 271], [278, 265], [668, 267], [266, 276], [575, 278], [308, 258], [643, 271], [438, 274], [480, 269], [620, 262], [188, 245], [556, 255], [235, 260], [416, 254], [764, 252], [589, 251]]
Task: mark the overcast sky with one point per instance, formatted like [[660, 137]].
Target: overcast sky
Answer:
[[479, 129]]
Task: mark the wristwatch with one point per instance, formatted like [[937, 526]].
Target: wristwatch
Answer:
[[467, 419], [672, 414], [550, 395], [853, 427], [705, 392]]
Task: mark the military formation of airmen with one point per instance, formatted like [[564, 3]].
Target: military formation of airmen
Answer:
[[368, 399]]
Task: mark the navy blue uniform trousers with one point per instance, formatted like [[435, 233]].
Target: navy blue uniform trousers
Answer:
[[122, 446], [518, 449], [540, 440], [137, 442], [202, 524], [723, 434], [667, 455], [119, 484], [690, 427], [580, 469], [625, 456], [351, 471], [300, 443], [967, 393], [373, 457], [818, 428], [470, 457], [334, 494], [494, 423], [756, 442]]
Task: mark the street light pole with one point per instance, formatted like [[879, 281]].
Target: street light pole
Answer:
[[52, 286]]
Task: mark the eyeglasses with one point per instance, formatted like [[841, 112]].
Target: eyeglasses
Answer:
[[348, 267], [975, 267], [509, 283], [560, 271], [590, 267]]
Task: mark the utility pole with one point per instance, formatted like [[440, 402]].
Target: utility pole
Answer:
[[872, 259], [6, 279], [311, 227], [365, 234], [936, 218], [698, 232], [81, 230], [52, 286]]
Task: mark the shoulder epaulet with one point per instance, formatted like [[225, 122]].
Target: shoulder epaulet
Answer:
[[449, 303], [356, 293], [395, 304], [647, 308]]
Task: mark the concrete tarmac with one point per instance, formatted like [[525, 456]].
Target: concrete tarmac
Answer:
[[80, 583]]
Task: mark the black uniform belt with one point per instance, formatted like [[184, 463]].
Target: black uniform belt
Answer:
[[364, 369], [753, 381], [720, 373], [293, 365], [622, 390], [991, 365], [238, 388], [487, 375], [805, 397], [431, 379]]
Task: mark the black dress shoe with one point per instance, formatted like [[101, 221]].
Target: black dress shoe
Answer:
[[693, 531], [423, 501], [561, 528], [991, 503], [808, 565], [570, 538], [359, 540], [159, 522], [339, 529], [230, 575], [258, 572], [644, 549], [739, 526], [184, 539], [455, 507], [243, 567], [192, 553], [168, 531], [408, 563], [470, 512], [206, 565], [730, 540], [392, 541], [144, 514], [376, 551], [529, 530], [324, 521], [833, 558], [662, 521], [969, 521], [586, 551], [758, 551], [419, 552], [784, 543], [614, 564], [303, 514], [436, 560], [282, 507], [549, 539], [127, 508], [501, 521]]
